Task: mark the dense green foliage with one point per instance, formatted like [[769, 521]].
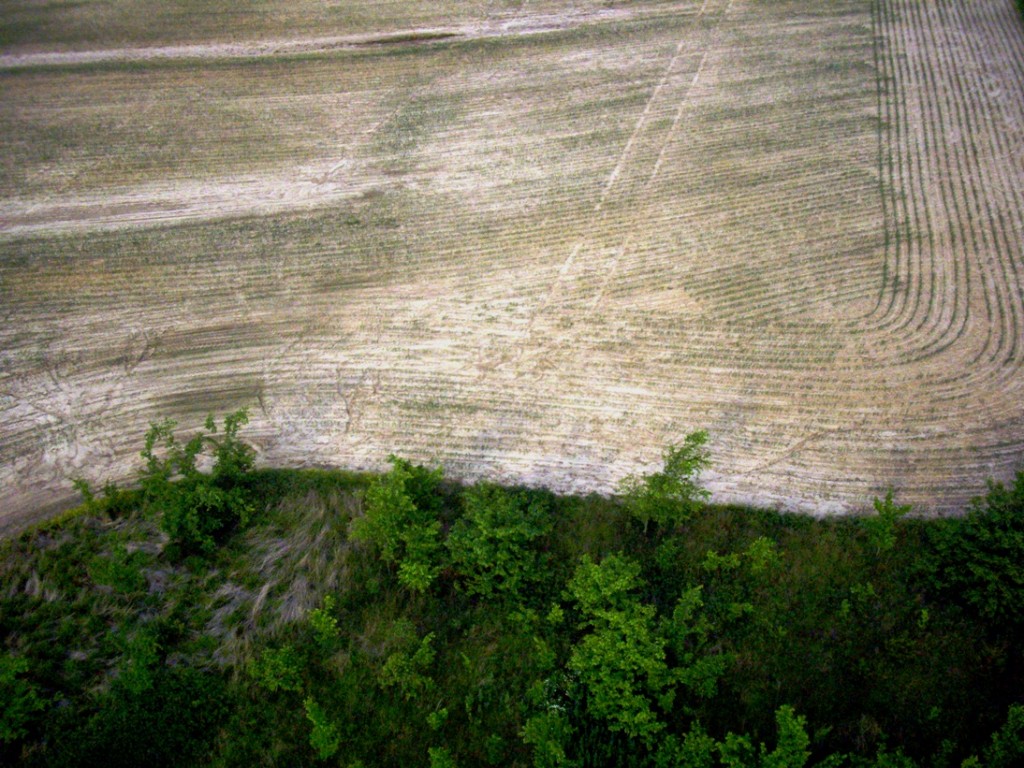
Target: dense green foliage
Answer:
[[401, 521], [19, 698], [400, 620], [620, 663], [197, 508], [982, 555], [493, 546], [671, 496]]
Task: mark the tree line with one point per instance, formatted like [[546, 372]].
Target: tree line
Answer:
[[269, 617]]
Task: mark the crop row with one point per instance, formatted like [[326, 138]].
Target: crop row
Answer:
[[541, 259], [951, 186]]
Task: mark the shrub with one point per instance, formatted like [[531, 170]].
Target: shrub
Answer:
[[19, 696], [1006, 747], [981, 557], [172, 723], [119, 570], [440, 757], [324, 737], [408, 672], [197, 509], [881, 527], [114, 503], [141, 655], [621, 661], [549, 733], [792, 749], [277, 669], [492, 545], [325, 624], [671, 496], [401, 521]]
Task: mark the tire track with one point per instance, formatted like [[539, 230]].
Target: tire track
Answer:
[[575, 281]]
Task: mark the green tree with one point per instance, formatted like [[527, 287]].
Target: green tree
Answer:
[[170, 723], [621, 660], [277, 669], [408, 672], [688, 633], [114, 503], [197, 508], [324, 737], [792, 749], [120, 570], [881, 527], [1006, 748], [549, 733], [325, 624], [141, 655], [20, 698], [440, 757], [493, 545], [981, 556], [695, 750], [673, 495], [401, 520]]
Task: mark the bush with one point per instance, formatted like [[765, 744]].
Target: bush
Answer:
[[401, 521], [549, 734], [324, 737], [621, 661], [198, 509], [119, 570], [492, 545], [19, 697], [324, 624], [981, 557], [277, 669], [671, 496], [170, 724], [408, 673], [440, 757], [1006, 749], [114, 503], [881, 528]]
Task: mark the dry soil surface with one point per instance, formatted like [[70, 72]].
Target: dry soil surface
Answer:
[[536, 243]]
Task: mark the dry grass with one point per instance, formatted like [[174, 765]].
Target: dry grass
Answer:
[[288, 565], [537, 250]]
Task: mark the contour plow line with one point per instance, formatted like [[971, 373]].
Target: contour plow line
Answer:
[[954, 286]]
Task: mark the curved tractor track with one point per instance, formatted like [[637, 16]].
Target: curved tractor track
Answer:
[[533, 241]]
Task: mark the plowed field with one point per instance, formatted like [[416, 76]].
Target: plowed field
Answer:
[[532, 241]]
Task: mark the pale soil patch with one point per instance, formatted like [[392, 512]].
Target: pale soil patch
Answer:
[[517, 25], [210, 199], [541, 258], [28, 25]]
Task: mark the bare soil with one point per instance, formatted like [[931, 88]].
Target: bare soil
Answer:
[[536, 244]]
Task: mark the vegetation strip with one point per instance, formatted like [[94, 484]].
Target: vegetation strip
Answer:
[[284, 617]]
